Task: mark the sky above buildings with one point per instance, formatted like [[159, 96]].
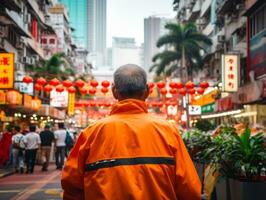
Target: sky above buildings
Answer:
[[125, 18]]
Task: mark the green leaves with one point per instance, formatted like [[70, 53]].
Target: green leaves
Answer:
[[236, 156], [180, 37]]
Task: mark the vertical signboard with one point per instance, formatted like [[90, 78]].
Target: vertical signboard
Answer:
[[71, 104], [230, 72], [6, 70]]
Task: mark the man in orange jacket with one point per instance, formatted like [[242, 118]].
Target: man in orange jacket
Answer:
[[130, 154]]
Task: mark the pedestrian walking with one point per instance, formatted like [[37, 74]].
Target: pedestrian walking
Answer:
[[33, 141], [47, 137], [6, 147], [18, 147], [130, 154], [60, 138]]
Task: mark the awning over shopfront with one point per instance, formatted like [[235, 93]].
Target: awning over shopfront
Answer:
[[249, 93]]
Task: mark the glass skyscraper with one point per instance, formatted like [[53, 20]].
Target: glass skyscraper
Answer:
[[78, 16]]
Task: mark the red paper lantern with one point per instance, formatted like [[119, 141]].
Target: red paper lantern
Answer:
[[173, 91], [151, 85], [27, 79], [161, 84], [172, 85], [190, 85], [104, 90], [54, 82], [160, 104], [67, 83], [204, 84], [37, 87], [163, 91], [41, 81], [105, 84], [182, 92], [200, 90], [48, 88], [80, 83], [94, 83], [59, 88], [71, 90], [93, 103], [179, 85], [83, 91], [92, 91], [192, 91]]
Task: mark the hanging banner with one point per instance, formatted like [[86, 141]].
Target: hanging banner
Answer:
[[230, 72], [6, 70], [71, 104], [58, 99]]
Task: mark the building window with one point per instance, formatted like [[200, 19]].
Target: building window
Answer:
[[44, 41], [52, 41], [258, 21]]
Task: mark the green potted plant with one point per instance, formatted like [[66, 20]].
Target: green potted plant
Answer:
[[241, 160], [197, 142]]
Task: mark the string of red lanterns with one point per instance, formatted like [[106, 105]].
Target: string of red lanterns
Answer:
[[175, 87]]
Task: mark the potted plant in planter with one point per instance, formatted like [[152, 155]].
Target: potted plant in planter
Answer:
[[241, 159], [197, 142]]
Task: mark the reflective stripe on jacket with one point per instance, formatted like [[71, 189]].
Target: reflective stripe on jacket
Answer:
[[130, 155]]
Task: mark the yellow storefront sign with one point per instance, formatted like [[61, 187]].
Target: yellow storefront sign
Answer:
[[71, 104], [205, 99], [6, 70], [2, 97]]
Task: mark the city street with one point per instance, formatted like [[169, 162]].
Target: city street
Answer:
[[40, 185]]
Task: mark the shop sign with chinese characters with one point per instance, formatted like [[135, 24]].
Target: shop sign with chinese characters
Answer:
[[6, 70], [71, 104], [208, 108], [194, 110], [230, 72]]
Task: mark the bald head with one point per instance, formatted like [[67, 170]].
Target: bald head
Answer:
[[130, 82]]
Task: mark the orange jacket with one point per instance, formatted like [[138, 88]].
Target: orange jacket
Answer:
[[130, 155]]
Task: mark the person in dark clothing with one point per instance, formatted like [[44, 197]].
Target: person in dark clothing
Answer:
[[47, 137]]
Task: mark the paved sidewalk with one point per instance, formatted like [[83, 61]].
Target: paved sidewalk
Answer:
[[6, 172]]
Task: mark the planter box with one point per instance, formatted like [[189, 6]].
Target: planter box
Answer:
[[247, 190], [240, 190], [220, 188]]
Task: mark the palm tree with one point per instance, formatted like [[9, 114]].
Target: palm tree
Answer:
[[57, 66], [183, 44]]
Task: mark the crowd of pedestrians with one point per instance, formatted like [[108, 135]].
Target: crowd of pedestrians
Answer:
[[20, 150]]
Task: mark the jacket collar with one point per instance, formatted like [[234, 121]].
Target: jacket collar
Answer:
[[129, 106]]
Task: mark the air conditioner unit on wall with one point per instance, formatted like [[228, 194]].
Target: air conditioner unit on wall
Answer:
[[32, 61], [19, 67], [27, 18], [3, 31], [217, 56], [240, 6], [221, 38], [25, 60], [219, 47]]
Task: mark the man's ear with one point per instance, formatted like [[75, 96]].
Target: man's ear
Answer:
[[114, 92], [146, 93]]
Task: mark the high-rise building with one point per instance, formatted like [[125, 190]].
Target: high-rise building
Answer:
[[78, 16], [153, 29], [97, 29], [125, 51]]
